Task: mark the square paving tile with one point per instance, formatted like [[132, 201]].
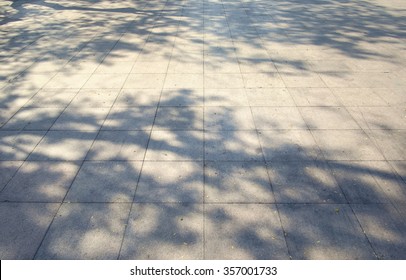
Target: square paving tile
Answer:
[[80, 66], [232, 146], [182, 182], [304, 182], [67, 80], [17, 145], [384, 228], [244, 231], [368, 181], [179, 118], [175, 145], [359, 97], [33, 119], [288, 145], [181, 97], [119, 145], [380, 117], [225, 97], [63, 145], [106, 81], [237, 182], [23, 226], [40, 182], [52, 98], [314, 97], [262, 80], [84, 119], [85, 231], [223, 81], [328, 118], [228, 118], [302, 79], [134, 118], [138, 97], [324, 232], [121, 67], [278, 118], [152, 81], [391, 143], [6, 114], [95, 98], [269, 97], [150, 67], [400, 168], [346, 145], [105, 181], [164, 231], [184, 81], [7, 171]]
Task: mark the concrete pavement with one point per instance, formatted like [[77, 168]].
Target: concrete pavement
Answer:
[[203, 129]]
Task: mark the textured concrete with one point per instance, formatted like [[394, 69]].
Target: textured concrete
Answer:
[[202, 129]]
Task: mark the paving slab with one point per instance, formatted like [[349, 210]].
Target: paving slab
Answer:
[[228, 118], [33, 119], [346, 145], [313, 97], [134, 118], [40, 182], [237, 145], [289, 145], [63, 145], [324, 232], [175, 145], [164, 231], [229, 129], [85, 231], [304, 182], [17, 145], [183, 182], [7, 171], [244, 231], [105, 181], [23, 227], [384, 228]]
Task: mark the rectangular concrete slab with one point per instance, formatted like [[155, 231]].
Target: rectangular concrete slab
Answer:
[[119, 145], [232, 146], [33, 119], [277, 118], [304, 182], [179, 118], [384, 228], [17, 145], [23, 227], [164, 231], [324, 232], [288, 145], [244, 231], [105, 181], [64, 145], [237, 182], [346, 145], [85, 231], [175, 145], [228, 118], [7, 171], [40, 182], [181, 182]]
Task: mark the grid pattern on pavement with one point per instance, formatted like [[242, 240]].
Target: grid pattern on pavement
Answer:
[[202, 129]]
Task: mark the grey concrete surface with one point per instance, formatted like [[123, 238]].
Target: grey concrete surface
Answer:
[[202, 129]]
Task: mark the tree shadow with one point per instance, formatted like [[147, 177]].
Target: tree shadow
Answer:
[[148, 178]]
